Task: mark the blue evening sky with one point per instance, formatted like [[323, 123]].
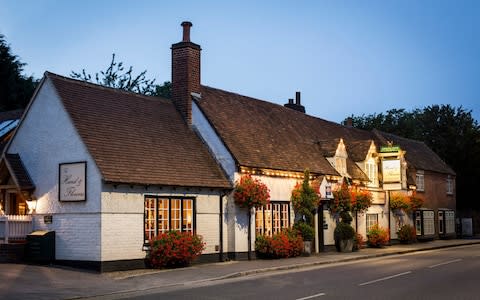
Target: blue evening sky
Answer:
[[346, 57]]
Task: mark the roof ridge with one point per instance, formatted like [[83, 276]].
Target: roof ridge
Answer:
[[283, 107], [102, 87], [401, 137]]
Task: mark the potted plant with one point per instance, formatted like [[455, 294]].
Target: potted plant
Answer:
[[344, 233], [305, 201]]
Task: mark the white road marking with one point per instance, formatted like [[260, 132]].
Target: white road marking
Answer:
[[385, 278], [445, 263], [312, 296]]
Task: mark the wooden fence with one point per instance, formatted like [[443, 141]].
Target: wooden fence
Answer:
[[13, 227]]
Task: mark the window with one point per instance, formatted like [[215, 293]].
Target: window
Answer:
[[449, 185], [272, 218], [163, 214], [372, 219], [341, 165], [420, 181], [371, 170]]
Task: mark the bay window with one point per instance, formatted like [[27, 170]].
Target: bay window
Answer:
[[162, 214]]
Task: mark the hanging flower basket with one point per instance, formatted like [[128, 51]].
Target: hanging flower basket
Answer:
[[350, 198], [251, 192]]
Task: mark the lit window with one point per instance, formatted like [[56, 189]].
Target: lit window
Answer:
[[420, 181], [372, 219], [163, 214], [449, 185], [272, 218], [341, 165]]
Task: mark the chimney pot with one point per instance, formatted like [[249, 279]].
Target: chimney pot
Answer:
[[186, 31], [297, 98], [290, 101]]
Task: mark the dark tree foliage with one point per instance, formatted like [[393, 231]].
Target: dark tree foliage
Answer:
[[449, 131], [116, 76], [15, 88], [164, 90]]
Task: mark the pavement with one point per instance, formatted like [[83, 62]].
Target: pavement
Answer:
[[20, 281]]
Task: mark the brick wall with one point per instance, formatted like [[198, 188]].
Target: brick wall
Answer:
[[185, 76], [435, 193]]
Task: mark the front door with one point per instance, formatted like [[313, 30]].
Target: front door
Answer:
[[15, 205]]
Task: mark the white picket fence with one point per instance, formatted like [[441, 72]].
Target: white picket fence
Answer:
[[15, 227]]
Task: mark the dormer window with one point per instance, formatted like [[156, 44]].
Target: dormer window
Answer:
[[341, 165], [420, 181], [340, 159], [371, 171]]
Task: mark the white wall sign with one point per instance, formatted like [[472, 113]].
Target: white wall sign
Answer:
[[72, 181], [391, 170]]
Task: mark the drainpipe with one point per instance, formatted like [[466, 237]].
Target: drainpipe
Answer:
[[220, 224]]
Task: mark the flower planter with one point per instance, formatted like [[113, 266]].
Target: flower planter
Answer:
[[345, 245], [307, 248]]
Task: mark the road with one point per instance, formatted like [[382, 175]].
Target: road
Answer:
[[452, 273]]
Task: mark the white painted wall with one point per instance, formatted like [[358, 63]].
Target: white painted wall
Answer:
[[45, 138], [236, 218], [213, 141], [123, 219]]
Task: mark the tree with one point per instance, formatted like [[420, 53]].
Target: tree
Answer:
[[305, 202], [449, 131], [116, 76], [15, 88]]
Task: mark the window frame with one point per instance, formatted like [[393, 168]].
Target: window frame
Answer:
[[367, 221], [449, 185], [181, 218], [280, 213], [371, 169], [420, 178]]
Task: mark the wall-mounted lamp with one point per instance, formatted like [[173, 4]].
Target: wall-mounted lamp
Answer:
[[32, 204]]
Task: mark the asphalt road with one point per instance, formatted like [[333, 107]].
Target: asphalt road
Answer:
[[452, 273]]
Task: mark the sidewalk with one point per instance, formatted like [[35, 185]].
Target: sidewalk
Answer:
[[50, 282]]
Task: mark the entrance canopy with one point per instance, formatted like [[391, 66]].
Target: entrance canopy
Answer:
[[16, 186]]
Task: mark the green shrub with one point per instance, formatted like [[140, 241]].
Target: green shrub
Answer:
[[343, 231], [174, 249], [406, 234], [346, 217], [377, 236], [358, 242], [306, 231]]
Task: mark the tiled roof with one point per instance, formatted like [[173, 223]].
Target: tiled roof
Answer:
[[137, 139], [18, 172], [418, 155], [263, 134]]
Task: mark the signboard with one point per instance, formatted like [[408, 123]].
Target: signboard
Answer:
[[72, 182], [48, 219], [387, 149], [378, 197], [326, 189], [391, 170]]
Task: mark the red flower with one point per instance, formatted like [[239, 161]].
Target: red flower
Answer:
[[250, 192]]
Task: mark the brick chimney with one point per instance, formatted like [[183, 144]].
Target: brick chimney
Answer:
[[185, 73], [297, 105]]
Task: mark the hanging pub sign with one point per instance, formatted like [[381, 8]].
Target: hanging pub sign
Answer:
[[391, 170], [72, 181], [391, 157], [326, 189]]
